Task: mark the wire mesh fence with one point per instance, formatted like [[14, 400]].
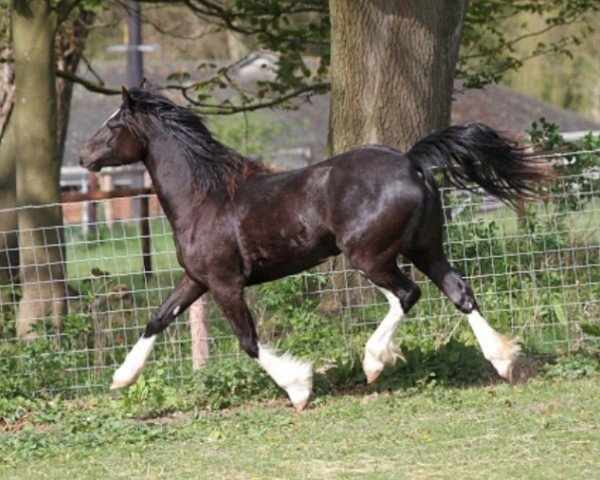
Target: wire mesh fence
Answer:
[[536, 274]]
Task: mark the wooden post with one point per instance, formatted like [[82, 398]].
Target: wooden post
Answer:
[[92, 208], [145, 235], [108, 185], [199, 331]]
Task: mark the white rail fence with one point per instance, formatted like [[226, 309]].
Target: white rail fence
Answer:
[[537, 276]]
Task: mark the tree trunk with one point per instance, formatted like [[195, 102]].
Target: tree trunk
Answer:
[[9, 253], [392, 69], [392, 73], [70, 43], [38, 166]]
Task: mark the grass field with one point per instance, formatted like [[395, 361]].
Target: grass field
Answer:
[[546, 428]]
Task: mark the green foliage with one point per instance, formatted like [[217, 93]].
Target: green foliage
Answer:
[[149, 396], [554, 421], [575, 366], [490, 50], [452, 363], [579, 182], [31, 368], [232, 381]]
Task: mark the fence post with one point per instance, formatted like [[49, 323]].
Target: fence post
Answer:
[[145, 235], [91, 222], [199, 331], [108, 185]]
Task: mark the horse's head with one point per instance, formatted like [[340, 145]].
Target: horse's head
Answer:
[[116, 143]]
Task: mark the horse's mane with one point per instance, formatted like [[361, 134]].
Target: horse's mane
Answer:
[[212, 163]]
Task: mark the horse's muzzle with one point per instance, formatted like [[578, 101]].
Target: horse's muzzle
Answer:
[[88, 158], [88, 163], [92, 167]]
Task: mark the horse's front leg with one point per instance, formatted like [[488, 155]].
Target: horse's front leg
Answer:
[[294, 376], [185, 293]]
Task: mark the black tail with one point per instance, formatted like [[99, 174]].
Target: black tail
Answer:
[[474, 152]]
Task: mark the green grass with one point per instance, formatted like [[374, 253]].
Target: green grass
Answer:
[[546, 428]]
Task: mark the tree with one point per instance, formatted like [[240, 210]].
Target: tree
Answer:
[[33, 124], [392, 69], [37, 166]]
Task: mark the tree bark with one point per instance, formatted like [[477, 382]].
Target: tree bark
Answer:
[[9, 254], [392, 72], [38, 166], [392, 69]]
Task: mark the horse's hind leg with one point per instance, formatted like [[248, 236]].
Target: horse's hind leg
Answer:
[[184, 294], [497, 349], [293, 375], [401, 293]]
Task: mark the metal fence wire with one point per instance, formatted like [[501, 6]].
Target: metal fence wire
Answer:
[[535, 274]]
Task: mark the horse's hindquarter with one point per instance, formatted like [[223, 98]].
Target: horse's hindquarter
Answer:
[[378, 200]]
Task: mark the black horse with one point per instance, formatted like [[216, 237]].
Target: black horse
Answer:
[[237, 223]]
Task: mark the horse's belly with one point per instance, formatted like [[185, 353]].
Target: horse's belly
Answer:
[[288, 257]]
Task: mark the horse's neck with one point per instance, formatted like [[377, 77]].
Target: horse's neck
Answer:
[[174, 184]]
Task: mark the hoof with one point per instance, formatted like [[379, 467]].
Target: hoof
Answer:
[[123, 379], [116, 385], [504, 359], [299, 396], [372, 367], [374, 363], [294, 376], [134, 364]]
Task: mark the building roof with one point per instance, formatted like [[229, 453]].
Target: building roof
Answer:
[[507, 110]]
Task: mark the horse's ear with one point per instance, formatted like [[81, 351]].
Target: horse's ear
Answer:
[[147, 84], [127, 101]]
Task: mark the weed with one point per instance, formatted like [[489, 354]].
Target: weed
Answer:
[[232, 381], [31, 368], [149, 396], [573, 366]]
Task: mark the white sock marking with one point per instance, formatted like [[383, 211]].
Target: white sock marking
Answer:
[[134, 363], [294, 376], [380, 349], [500, 351]]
